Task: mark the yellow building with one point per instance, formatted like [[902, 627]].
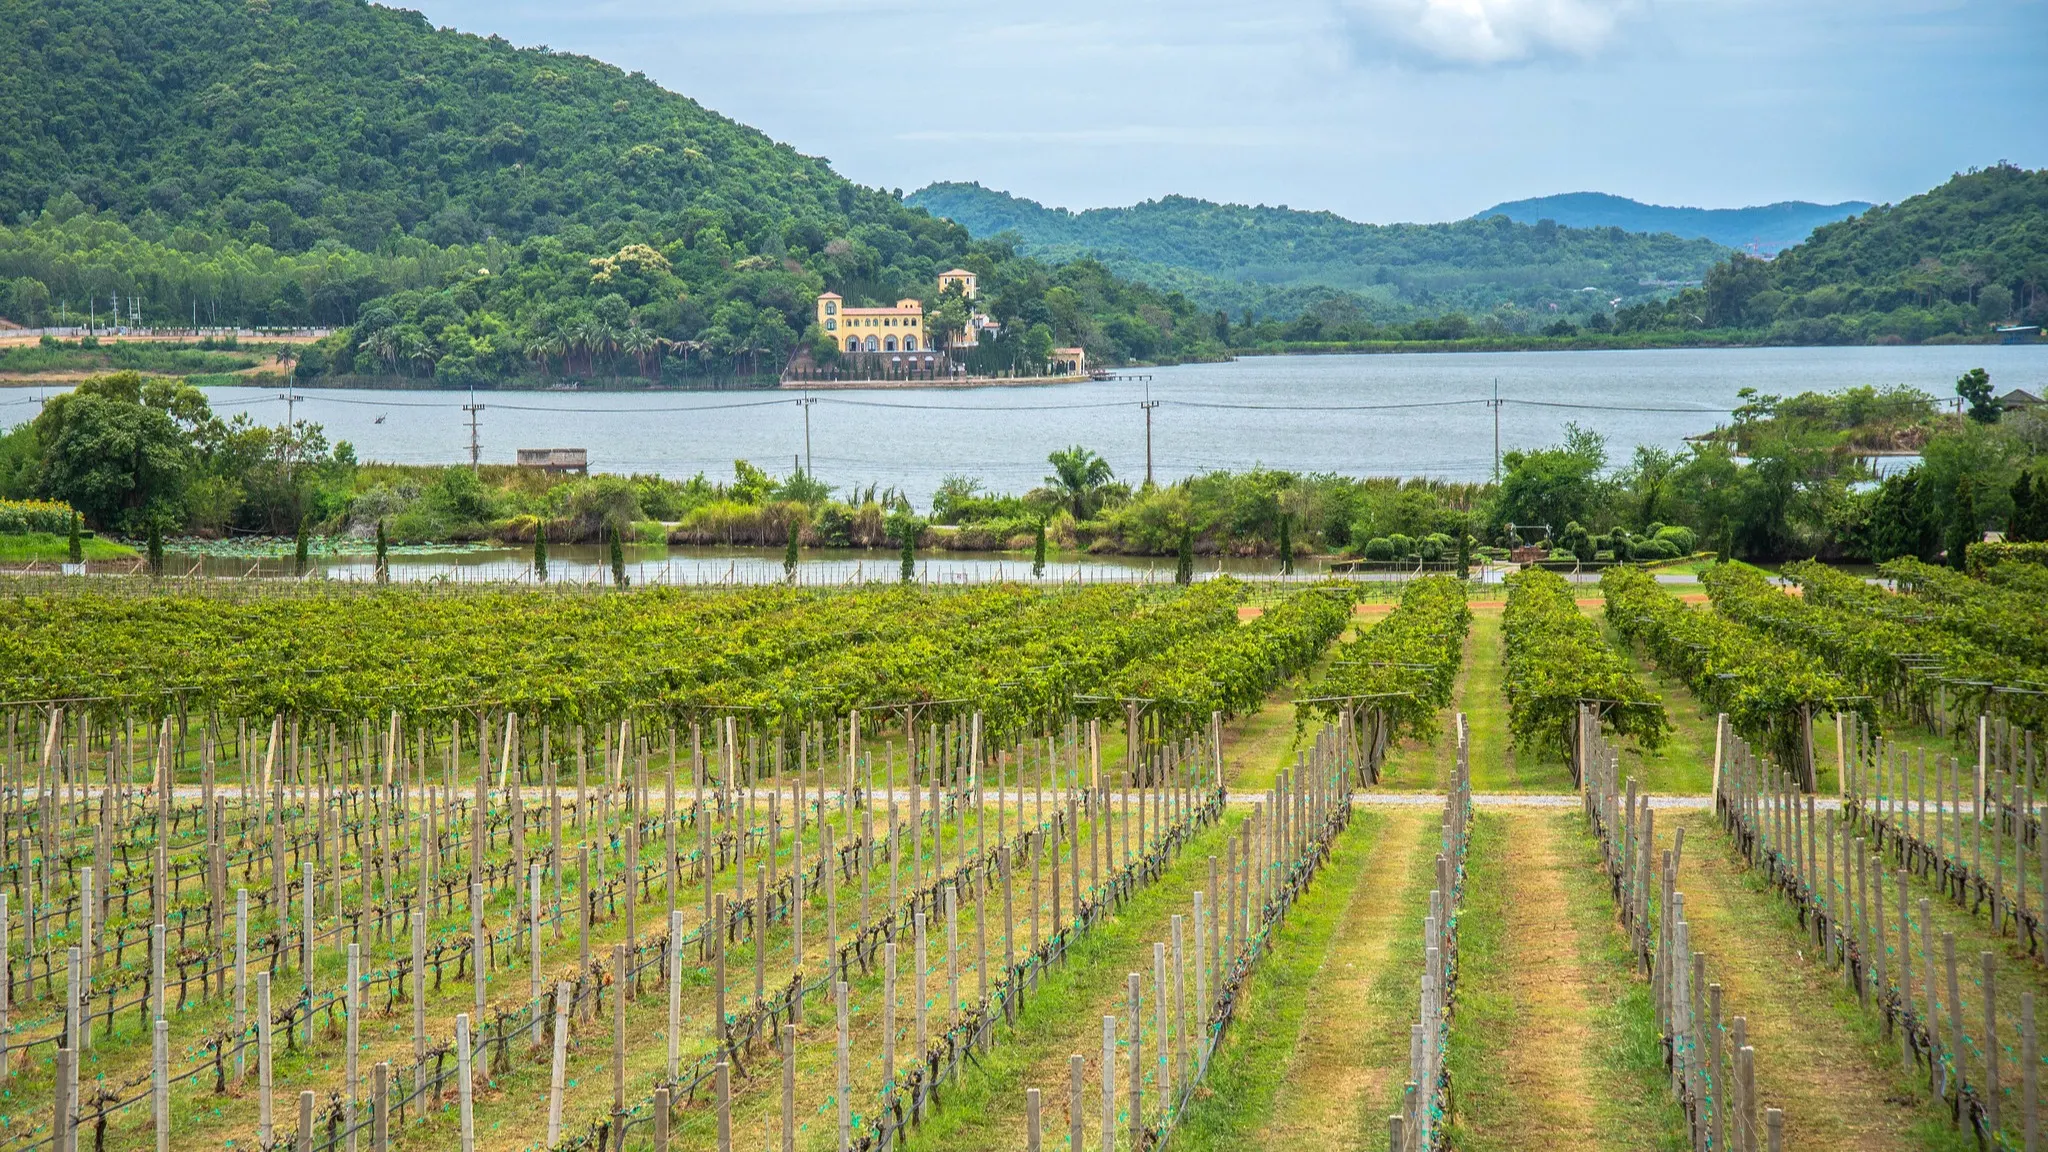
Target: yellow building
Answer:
[[967, 282], [898, 329]]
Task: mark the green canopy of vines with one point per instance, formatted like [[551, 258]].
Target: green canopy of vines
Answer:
[[1895, 646], [1556, 659], [1019, 654], [2011, 621], [1231, 671], [1405, 665], [1769, 689]]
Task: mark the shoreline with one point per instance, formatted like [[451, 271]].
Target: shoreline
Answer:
[[954, 383]]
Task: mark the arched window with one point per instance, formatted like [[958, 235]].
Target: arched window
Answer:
[[853, 343], [831, 307], [889, 345], [910, 343], [874, 345], [831, 325]]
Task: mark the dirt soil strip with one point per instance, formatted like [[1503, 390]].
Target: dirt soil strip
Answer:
[[1325, 1090], [1524, 996], [1819, 1056]]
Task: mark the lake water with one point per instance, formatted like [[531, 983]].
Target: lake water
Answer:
[[1405, 415]]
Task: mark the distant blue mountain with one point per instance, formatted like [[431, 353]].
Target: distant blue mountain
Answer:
[[1770, 227], [1277, 261]]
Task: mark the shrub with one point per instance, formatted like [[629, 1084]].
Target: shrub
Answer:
[[1379, 548], [1988, 554], [1678, 536]]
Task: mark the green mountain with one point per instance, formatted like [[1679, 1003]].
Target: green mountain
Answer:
[[1769, 227], [332, 161], [1952, 262], [1275, 259]]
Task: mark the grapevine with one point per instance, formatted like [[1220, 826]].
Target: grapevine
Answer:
[[1557, 660], [1769, 689], [1398, 675]]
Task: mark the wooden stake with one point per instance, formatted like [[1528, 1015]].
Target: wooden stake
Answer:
[[419, 990], [354, 1007], [1109, 1082], [380, 1107], [789, 1089], [1989, 1045], [1137, 1061], [160, 1084], [675, 992], [558, 1077], [1076, 1129], [63, 1114], [842, 1095], [621, 958], [888, 1015], [463, 1088], [724, 1107], [265, 1132]]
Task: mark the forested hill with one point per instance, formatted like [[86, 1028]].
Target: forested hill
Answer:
[[1953, 261], [327, 119], [331, 161], [1233, 255], [1768, 227]]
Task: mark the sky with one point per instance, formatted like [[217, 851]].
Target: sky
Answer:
[[1379, 110]]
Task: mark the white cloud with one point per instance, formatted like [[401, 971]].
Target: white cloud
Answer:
[[1479, 33]]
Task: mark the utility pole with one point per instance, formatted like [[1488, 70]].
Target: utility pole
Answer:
[[475, 446], [291, 447], [805, 404], [1148, 404], [1495, 405]]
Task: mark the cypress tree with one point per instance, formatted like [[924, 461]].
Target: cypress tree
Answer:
[[383, 555], [908, 572], [540, 552], [1963, 529], [300, 546], [618, 556], [790, 559], [1184, 567], [1464, 553], [156, 549], [75, 547], [1038, 551], [1286, 546]]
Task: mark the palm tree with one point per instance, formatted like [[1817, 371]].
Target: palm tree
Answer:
[[575, 338], [605, 339], [542, 350], [419, 352], [287, 356], [639, 343], [383, 344], [1079, 474]]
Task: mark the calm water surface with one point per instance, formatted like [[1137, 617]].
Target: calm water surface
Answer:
[[1407, 415]]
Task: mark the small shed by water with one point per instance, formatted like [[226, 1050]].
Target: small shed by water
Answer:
[[575, 460]]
